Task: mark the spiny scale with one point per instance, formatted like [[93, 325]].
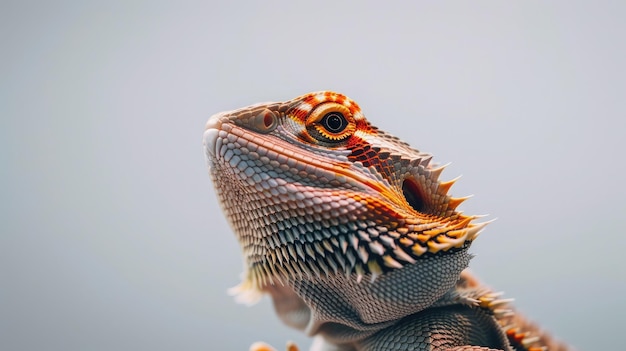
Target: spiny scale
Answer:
[[520, 333]]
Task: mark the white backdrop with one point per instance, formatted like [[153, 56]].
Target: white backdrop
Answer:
[[111, 236]]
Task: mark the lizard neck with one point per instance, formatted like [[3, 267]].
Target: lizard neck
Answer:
[[368, 306]]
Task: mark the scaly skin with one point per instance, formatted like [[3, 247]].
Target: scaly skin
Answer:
[[351, 232]]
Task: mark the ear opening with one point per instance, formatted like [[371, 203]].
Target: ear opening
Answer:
[[413, 195]]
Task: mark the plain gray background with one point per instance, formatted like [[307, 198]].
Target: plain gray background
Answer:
[[111, 236]]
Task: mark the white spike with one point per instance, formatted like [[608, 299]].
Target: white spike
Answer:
[[390, 262], [400, 254], [359, 273], [436, 172], [499, 302], [503, 312], [343, 243], [529, 340]]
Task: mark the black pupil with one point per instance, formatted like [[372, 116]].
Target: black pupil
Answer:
[[334, 122]]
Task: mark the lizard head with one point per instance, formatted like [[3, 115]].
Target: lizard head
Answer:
[[312, 190]]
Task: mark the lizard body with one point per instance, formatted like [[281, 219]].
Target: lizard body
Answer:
[[352, 234]]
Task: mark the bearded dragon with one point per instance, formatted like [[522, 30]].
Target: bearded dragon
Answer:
[[352, 233]]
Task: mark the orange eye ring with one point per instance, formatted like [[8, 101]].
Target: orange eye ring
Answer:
[[330, 122]]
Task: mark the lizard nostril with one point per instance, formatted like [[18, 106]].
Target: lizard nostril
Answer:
[[413, 195], [268, 119], [265, 121]]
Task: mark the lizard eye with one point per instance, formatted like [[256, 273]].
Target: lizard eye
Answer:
[[330, 122], [334, 122]]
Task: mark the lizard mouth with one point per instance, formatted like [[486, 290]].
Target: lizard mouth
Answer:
[[219, 134]]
